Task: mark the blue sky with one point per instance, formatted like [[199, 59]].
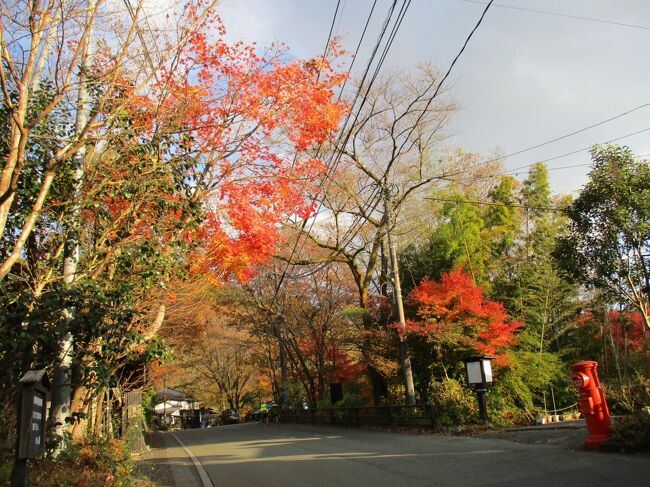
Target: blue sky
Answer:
[[525, 78]]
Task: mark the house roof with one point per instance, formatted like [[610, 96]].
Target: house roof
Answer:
[[174, 395]]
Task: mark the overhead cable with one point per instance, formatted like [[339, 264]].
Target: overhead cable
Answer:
[[559, 14]]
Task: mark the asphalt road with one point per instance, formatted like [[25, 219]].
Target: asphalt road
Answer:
[[251, 455]]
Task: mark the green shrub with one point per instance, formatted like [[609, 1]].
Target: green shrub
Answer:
[[627, 395], [323, 404], [453, 402], [350, 400], [630, 433]]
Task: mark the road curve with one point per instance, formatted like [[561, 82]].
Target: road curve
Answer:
[[251, 454]]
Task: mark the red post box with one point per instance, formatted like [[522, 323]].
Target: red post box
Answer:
[[592, 402]]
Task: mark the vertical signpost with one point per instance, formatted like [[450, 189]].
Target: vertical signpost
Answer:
[[30, 438]]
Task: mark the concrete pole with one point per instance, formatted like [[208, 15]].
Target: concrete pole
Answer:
[[283, 364], [403, 343]]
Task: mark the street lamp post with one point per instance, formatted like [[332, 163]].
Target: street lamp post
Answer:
[[479, 374]]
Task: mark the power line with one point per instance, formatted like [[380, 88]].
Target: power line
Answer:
[[333, 162], [576, 151], [494, 203], [336, 155], [356, 51], [559, 14], [363, 79], [391, 38], [444, 78], [375, 197], [329, 36], [537, 146], [571, 166], [344, 136]]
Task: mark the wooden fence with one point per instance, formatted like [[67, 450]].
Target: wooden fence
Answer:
[[420, 415], [132, 421]]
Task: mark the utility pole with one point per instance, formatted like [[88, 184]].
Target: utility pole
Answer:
[[164, 421], [283, 361], [403, 344]]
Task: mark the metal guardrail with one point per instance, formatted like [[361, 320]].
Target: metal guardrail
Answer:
[[420, 415]]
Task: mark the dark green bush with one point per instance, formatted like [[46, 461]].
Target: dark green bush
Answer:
[[627, 395], [454, 403], [630, 433]]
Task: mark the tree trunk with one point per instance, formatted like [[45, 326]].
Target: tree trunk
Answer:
[[99, 413], [79, 404], [62, 387]]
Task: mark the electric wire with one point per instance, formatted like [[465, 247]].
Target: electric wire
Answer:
[[371, 204], [516, 169], [444, 78], [356, 51], [375, 198], [565, 136], [333, 162], [559, 14], [570, 134], [329, 36]]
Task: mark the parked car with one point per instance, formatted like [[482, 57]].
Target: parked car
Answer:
[[229, 416]]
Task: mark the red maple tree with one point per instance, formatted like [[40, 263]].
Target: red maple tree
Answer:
[[455, 314], [621, 328]]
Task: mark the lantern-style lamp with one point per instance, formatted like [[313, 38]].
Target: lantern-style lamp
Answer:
[[479, 374]]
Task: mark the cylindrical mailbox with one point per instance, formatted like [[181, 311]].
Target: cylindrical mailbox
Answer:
[[592, 402]]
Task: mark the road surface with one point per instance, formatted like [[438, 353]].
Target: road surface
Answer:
[[252, 455]]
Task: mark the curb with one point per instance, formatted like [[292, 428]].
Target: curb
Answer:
[[205, 478]]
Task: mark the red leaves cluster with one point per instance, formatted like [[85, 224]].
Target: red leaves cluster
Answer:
[[626, 328], [340, 365], [455, 313]]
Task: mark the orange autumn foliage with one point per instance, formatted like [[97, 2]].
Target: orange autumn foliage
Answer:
[[245, 120]]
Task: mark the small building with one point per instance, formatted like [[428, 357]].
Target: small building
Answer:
[[169, 404]]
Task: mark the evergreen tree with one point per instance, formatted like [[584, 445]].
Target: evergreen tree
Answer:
[[536, 290], [502, 218], [609, 239]]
